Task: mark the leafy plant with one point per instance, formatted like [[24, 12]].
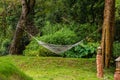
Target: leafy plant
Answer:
[[62, 37], [9, 16], [82, 51], [50, 28], [83, 30], [116, 49], [4, 47]]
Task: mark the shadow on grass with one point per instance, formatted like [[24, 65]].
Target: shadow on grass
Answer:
[[9, 72]]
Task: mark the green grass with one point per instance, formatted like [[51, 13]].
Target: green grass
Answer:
[[9, 72], [56, 68]]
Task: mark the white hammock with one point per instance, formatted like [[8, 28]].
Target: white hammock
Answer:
[[59, 48], [56, 48]]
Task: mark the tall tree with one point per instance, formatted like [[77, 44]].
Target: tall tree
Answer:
[[25, 22], [108, 31]]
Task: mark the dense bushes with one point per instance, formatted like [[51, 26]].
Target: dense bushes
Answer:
[[117, 24], [50, 28], [81, 16], [63, 37], [4, 46], [83, 50], [85, 30], [9, 15], [81, 30], [80, 11], [116, 49], [66, 34]]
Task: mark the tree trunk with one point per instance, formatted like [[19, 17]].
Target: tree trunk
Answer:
[[27, 7], [108, 31], [30, 27]]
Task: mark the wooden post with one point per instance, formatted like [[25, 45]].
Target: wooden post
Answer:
[[117, 72], [99, 63]]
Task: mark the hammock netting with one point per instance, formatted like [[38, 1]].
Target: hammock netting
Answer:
[[58, 48]]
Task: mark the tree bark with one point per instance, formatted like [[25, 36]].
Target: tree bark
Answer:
[[108, 31], [30, 27], [27, 6]]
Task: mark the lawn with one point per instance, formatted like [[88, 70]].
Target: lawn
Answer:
[[57, 68]]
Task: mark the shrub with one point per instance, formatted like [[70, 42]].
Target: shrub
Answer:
[[83, 50], [63, 37], [83, 30], [117, 22], [4, 46], [50, 28], [116, 49]]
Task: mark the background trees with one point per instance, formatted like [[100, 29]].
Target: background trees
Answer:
[[82, 17]]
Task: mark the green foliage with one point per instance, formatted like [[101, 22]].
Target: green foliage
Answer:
[[81, 16], [117, 9], [4, 46], [82, 11], [64, 11], [50, 28], [10, 72], [117, 32], [83, 50], [8, 20], [116, 49], [32, 49], [84, 30], [81, 30], [62, 37], [117, 25]]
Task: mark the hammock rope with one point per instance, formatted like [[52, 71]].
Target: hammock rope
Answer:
[[58, 49]]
